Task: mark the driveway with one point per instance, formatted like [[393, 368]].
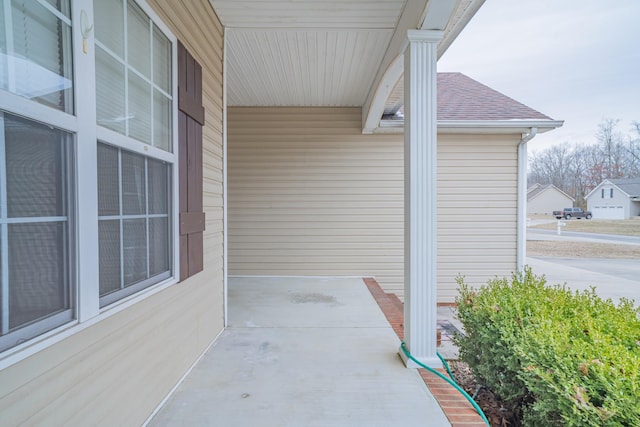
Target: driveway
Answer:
[[612, 278]]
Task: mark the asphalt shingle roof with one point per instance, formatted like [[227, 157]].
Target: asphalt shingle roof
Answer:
[[537, 189], [631, 186], [462, 98]]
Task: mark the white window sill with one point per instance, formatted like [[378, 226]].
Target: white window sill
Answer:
[[22, 351]]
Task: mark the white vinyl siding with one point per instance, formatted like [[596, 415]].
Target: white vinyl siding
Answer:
[[116, 370], [310, 195], [609, 202]]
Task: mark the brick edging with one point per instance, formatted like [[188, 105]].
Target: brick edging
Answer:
[[454, 405]]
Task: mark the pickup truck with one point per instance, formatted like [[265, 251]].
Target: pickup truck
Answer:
[[569, 213]]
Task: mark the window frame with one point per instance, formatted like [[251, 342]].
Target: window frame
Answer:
[[116, 139], [86, 133]]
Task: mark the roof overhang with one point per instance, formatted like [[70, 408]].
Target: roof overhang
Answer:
[[487, 127], [329, 53], [387, 92]]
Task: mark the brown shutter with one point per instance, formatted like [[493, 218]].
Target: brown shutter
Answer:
[[190, 122]]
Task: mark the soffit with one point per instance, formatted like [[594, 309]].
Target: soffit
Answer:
[[305, 52], [323, 53]]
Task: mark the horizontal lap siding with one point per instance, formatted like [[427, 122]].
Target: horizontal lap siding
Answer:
[[477, 213], [117, 371], [310, 195]]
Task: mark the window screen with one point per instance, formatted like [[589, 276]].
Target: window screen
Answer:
[[35, 229], [134, 222]]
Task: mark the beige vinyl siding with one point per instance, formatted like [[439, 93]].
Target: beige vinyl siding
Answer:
[[548, 201], [477, 214], [310, 195], [116, 371]]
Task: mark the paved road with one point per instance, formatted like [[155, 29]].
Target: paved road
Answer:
[[612, 278], [543, 234]]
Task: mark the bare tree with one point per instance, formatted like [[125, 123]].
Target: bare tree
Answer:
[[611, 148], [579, 168], [633, 149], [550, 166], [578, 183]]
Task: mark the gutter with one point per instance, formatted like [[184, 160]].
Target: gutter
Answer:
[[477, 126], [521, 235]]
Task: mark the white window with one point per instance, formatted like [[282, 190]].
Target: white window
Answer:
[[607, 193], [133, 73], [50, 226], [134, 98], [35, 60]]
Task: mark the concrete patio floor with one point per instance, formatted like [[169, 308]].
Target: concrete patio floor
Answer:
[[302, 352]]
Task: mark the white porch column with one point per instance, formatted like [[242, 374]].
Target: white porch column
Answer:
[[420, 196]]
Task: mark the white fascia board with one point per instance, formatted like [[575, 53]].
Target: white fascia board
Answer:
[[372, 112], [478, 126], [596, 188], [608, 183], [457, 27], [437, 14], [391, 67]]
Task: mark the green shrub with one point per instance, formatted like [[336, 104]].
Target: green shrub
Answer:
[[555, 357]]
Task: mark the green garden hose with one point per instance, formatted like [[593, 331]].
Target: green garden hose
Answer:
[[450, 381], [446, 366]]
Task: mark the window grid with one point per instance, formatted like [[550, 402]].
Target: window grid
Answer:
[[122, 217], [130, 69], [61, 16], [125, 52], [120, 208], [4, 231], [151, 92], [8, 27], [10, 43], [146, 210]]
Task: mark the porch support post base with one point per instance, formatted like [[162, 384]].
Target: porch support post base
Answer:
[[420, 195], [432, 362]]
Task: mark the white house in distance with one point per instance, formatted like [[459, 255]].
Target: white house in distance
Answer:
[[153, 148], [615, 199], [544, 199]]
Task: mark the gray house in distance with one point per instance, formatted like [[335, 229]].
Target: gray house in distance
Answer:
[[544, 199], [615, 199]]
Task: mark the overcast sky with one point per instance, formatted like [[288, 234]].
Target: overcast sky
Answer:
[[573, 60]]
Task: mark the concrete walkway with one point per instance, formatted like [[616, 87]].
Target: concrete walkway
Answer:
[[302, 352]]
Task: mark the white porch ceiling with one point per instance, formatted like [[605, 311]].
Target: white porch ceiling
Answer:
[[319, 52], [299, 67]]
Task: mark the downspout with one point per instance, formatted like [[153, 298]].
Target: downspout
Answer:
[[521, 239]]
